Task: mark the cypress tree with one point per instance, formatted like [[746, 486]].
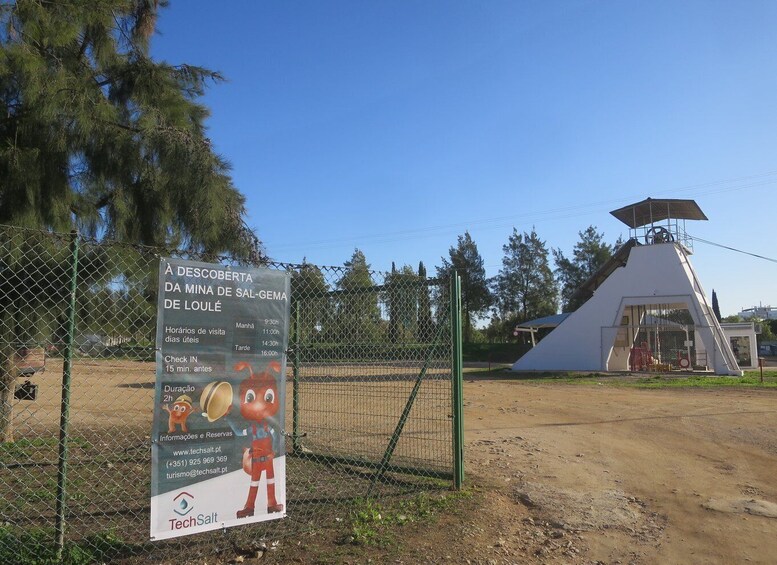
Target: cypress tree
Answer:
[[716, 306], [425, 327], [392, 299]]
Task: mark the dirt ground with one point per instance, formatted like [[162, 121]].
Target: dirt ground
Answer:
[[582, 474], [568, 473]]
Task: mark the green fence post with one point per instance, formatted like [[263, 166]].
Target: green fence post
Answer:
[[64, 417], [457, 383], [296, 448]]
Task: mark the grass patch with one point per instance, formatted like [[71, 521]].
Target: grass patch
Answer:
[[36, 547], [503, 372], [496, 368], [751, 379], [377, 524], [23, 449]]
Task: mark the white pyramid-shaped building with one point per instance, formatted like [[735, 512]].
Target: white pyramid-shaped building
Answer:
[[647, 310]]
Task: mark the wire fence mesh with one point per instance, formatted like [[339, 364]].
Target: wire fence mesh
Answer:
[[369, 397]]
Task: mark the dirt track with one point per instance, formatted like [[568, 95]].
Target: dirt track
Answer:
[[618, 475]]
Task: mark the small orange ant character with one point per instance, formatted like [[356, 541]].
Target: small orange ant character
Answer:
[[258, 402], [182, 407]]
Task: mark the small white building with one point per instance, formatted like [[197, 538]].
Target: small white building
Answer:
[[741, 337], [647, 310]]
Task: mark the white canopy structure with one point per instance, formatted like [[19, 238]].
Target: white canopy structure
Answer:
[[646, 308], [533, 326]]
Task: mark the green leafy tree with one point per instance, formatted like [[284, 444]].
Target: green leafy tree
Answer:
[[588, 255], [680, 316], [35, 270], [524, 288], [402, 302], [476, 298], [310, 297], [356, 309], [96, 135], [766, 334], [734, 318]]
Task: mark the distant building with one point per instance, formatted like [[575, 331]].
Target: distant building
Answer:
[[760, 312]]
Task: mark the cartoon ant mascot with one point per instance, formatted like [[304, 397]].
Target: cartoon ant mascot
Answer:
[[182, 407], [259, 402]]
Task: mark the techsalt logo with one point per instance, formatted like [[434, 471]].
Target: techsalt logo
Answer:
[[183, 503]]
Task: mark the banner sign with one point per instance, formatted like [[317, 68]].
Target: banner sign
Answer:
[[217, 452]]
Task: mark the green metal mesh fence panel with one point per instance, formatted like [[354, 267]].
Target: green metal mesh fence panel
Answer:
[[369, 409]]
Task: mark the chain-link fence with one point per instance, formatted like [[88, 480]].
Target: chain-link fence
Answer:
[[373, 397]]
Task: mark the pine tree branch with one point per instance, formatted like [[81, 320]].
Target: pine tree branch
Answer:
[[121, 126], [105, 200], [82, 49]]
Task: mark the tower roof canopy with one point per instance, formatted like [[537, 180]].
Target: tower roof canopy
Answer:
[[653, 210]]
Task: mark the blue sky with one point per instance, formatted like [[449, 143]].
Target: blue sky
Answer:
[[395, 126]]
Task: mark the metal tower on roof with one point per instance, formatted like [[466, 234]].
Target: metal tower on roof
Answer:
[[660, 220]]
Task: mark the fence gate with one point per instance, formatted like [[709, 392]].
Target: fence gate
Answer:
[[373, 380]]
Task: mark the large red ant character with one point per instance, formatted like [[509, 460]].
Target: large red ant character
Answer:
[[259, 401]]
